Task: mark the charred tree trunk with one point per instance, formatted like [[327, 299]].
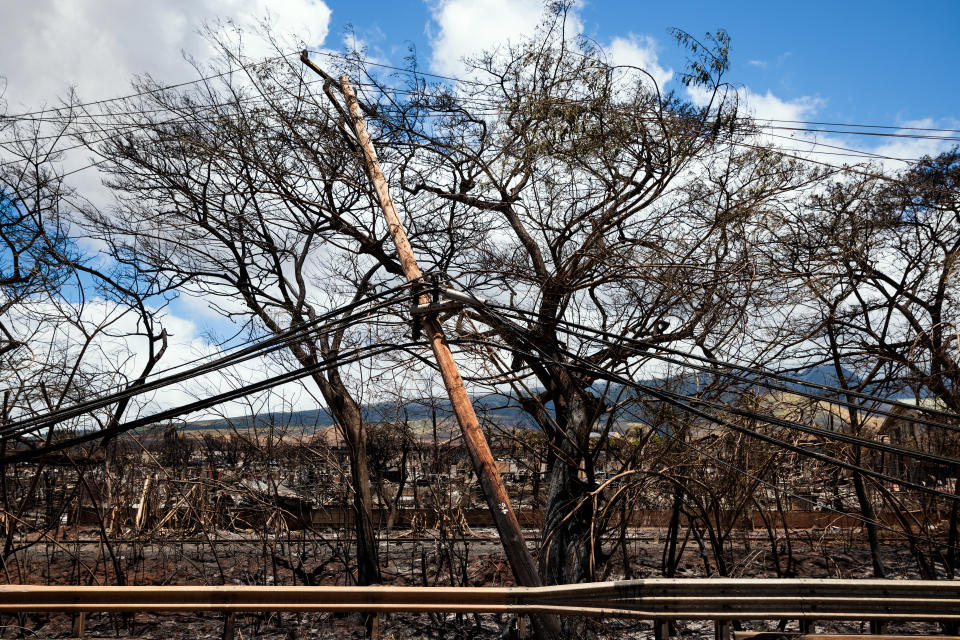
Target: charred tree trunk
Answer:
[[670, 557], [566, 556], [952, 528], [870, 517], [348, 414]]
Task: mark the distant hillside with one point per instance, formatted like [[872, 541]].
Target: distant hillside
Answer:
[[497, 408], [826, 375]]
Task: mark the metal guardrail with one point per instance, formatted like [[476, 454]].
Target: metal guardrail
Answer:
[[657, 599]]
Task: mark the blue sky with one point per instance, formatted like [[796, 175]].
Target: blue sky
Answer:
[[851, 61], [880, 62]]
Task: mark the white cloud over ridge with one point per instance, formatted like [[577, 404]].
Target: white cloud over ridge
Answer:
[[467, 27], [49, 45], [788, 125], [763, 106], [641, 52]]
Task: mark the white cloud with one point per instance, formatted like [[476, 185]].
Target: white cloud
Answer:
[[49, 45], [768, 106], [785, 127], [639, 51], [465, 28], [764, 106], [912, 148]]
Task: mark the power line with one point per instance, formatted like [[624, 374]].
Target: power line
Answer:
[[853, 153], [881, 134], [297, 331], [145, 92], [718, 367], [260, 348], [858, 125], [804, 428], [356, 355], [684, 403], [488, 102], [677, 401], [417, 72], [649, 348], [461, 80]]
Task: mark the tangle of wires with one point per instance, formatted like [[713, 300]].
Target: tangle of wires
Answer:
[[338, 319], [716, 412]]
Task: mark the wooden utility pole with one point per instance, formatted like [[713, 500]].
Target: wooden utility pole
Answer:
[[508, 527]]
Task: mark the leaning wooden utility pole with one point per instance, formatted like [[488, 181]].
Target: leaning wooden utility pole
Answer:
[[511, 536]]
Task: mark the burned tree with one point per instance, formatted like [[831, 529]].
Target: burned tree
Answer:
[[875, 260], [245, 192], [71, 328], [609, 205]]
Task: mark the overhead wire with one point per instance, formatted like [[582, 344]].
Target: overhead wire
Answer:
[[845, 168], [474, 100], [685, 403], [828, 435], [342, 359], [262, 347], [773, 441], [146, 92], [461, 98], [418, 72], [653, 347], [858, 125], [290, 332], [680, 401], [718, 368], [841, 150]]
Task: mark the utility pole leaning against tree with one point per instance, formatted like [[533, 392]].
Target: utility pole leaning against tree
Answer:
[[508, 527]]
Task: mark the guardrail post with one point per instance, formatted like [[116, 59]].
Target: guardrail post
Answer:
[[876, 627], [661, 629], [721, 629], [228, 626], [806, 626], [79, 625], [373, 625]]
